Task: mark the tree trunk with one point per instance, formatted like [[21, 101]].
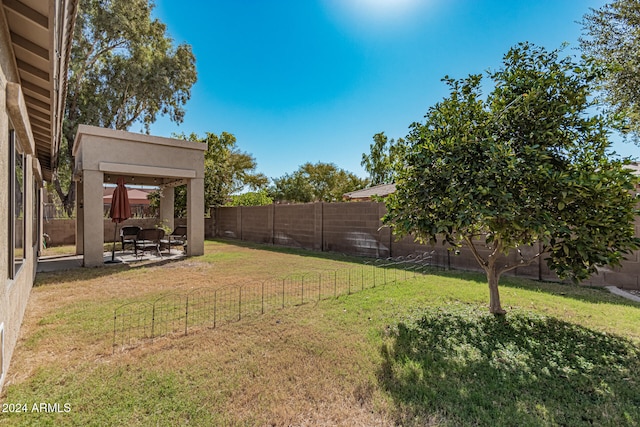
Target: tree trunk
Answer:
[[69, 201], [494, 295]]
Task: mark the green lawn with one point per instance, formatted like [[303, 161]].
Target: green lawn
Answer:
[[420, 352]]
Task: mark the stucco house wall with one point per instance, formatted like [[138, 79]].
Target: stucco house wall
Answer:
[[35, 37], [14, 292]]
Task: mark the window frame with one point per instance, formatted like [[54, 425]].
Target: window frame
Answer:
[[14, 264], [35, 218]]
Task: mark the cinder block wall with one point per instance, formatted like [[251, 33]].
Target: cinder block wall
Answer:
[[627, 276], [227, 222], [63, 231], [356, 229], [257, 223], [298, 225]]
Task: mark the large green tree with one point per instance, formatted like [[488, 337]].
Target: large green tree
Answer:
[[612, 37], [379, 162], [319, 182], [124, 69], [250, 198], [519, 176]]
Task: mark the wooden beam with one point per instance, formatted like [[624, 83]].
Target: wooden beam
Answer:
[[40, 123], [36, 89], [43, 135], [40, 114], [37, 103], [31, 14], [30, 46], [45, 130], [34, 71]]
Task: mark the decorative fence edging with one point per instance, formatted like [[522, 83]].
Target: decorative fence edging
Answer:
[[177, 313]]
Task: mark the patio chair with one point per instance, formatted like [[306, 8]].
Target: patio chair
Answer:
[[128, 236], [177, 238], [148, 239]]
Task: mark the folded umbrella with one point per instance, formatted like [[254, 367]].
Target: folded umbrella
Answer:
[[120, 210]]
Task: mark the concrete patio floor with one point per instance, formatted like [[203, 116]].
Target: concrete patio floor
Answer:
[[68, 262]]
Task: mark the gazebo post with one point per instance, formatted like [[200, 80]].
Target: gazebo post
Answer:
[[93, 218], [167, 201], [79, 217], [195, 216]]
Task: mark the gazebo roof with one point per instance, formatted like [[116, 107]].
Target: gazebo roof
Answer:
[[140, 159]]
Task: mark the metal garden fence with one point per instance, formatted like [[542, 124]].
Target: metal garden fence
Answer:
[[211, 307]]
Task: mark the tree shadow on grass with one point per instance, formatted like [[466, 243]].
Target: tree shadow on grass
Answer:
[[585, 293], [463, 366], [564, 290]]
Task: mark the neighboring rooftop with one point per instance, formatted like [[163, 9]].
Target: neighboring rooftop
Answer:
[[384, 190], [635, 167], [367, 193], [137, 196]]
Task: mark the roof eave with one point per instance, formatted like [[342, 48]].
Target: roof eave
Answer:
[[41, 34]]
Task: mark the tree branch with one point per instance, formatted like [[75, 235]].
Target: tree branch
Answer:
[[469, 241], [134, 116], [497, 247], [524, 262]]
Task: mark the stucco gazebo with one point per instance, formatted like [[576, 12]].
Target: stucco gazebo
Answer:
[[103, 155]]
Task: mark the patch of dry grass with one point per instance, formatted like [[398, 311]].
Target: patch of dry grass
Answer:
[[314, 364], [59, 250], [272, 370]]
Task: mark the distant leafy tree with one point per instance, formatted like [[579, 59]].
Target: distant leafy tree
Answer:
[[251, 198], [320, 182], [379, 162], [123, 69], [293, 187], [523, 172], [227, 170], [612, 37]]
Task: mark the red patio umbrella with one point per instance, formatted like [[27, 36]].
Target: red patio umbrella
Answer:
[[119, 211]]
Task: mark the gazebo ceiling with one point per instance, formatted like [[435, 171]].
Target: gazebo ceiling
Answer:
[[156, 181]]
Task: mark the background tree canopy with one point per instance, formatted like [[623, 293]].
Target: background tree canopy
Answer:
[[320, 182], [251, 198], [612, 37], [124, 69], [526, 164], [379, 162], [227, 170]]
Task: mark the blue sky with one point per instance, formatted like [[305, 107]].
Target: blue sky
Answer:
[[313, 80]]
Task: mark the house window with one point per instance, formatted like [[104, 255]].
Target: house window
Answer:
[[35, 211], [16, 206]]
